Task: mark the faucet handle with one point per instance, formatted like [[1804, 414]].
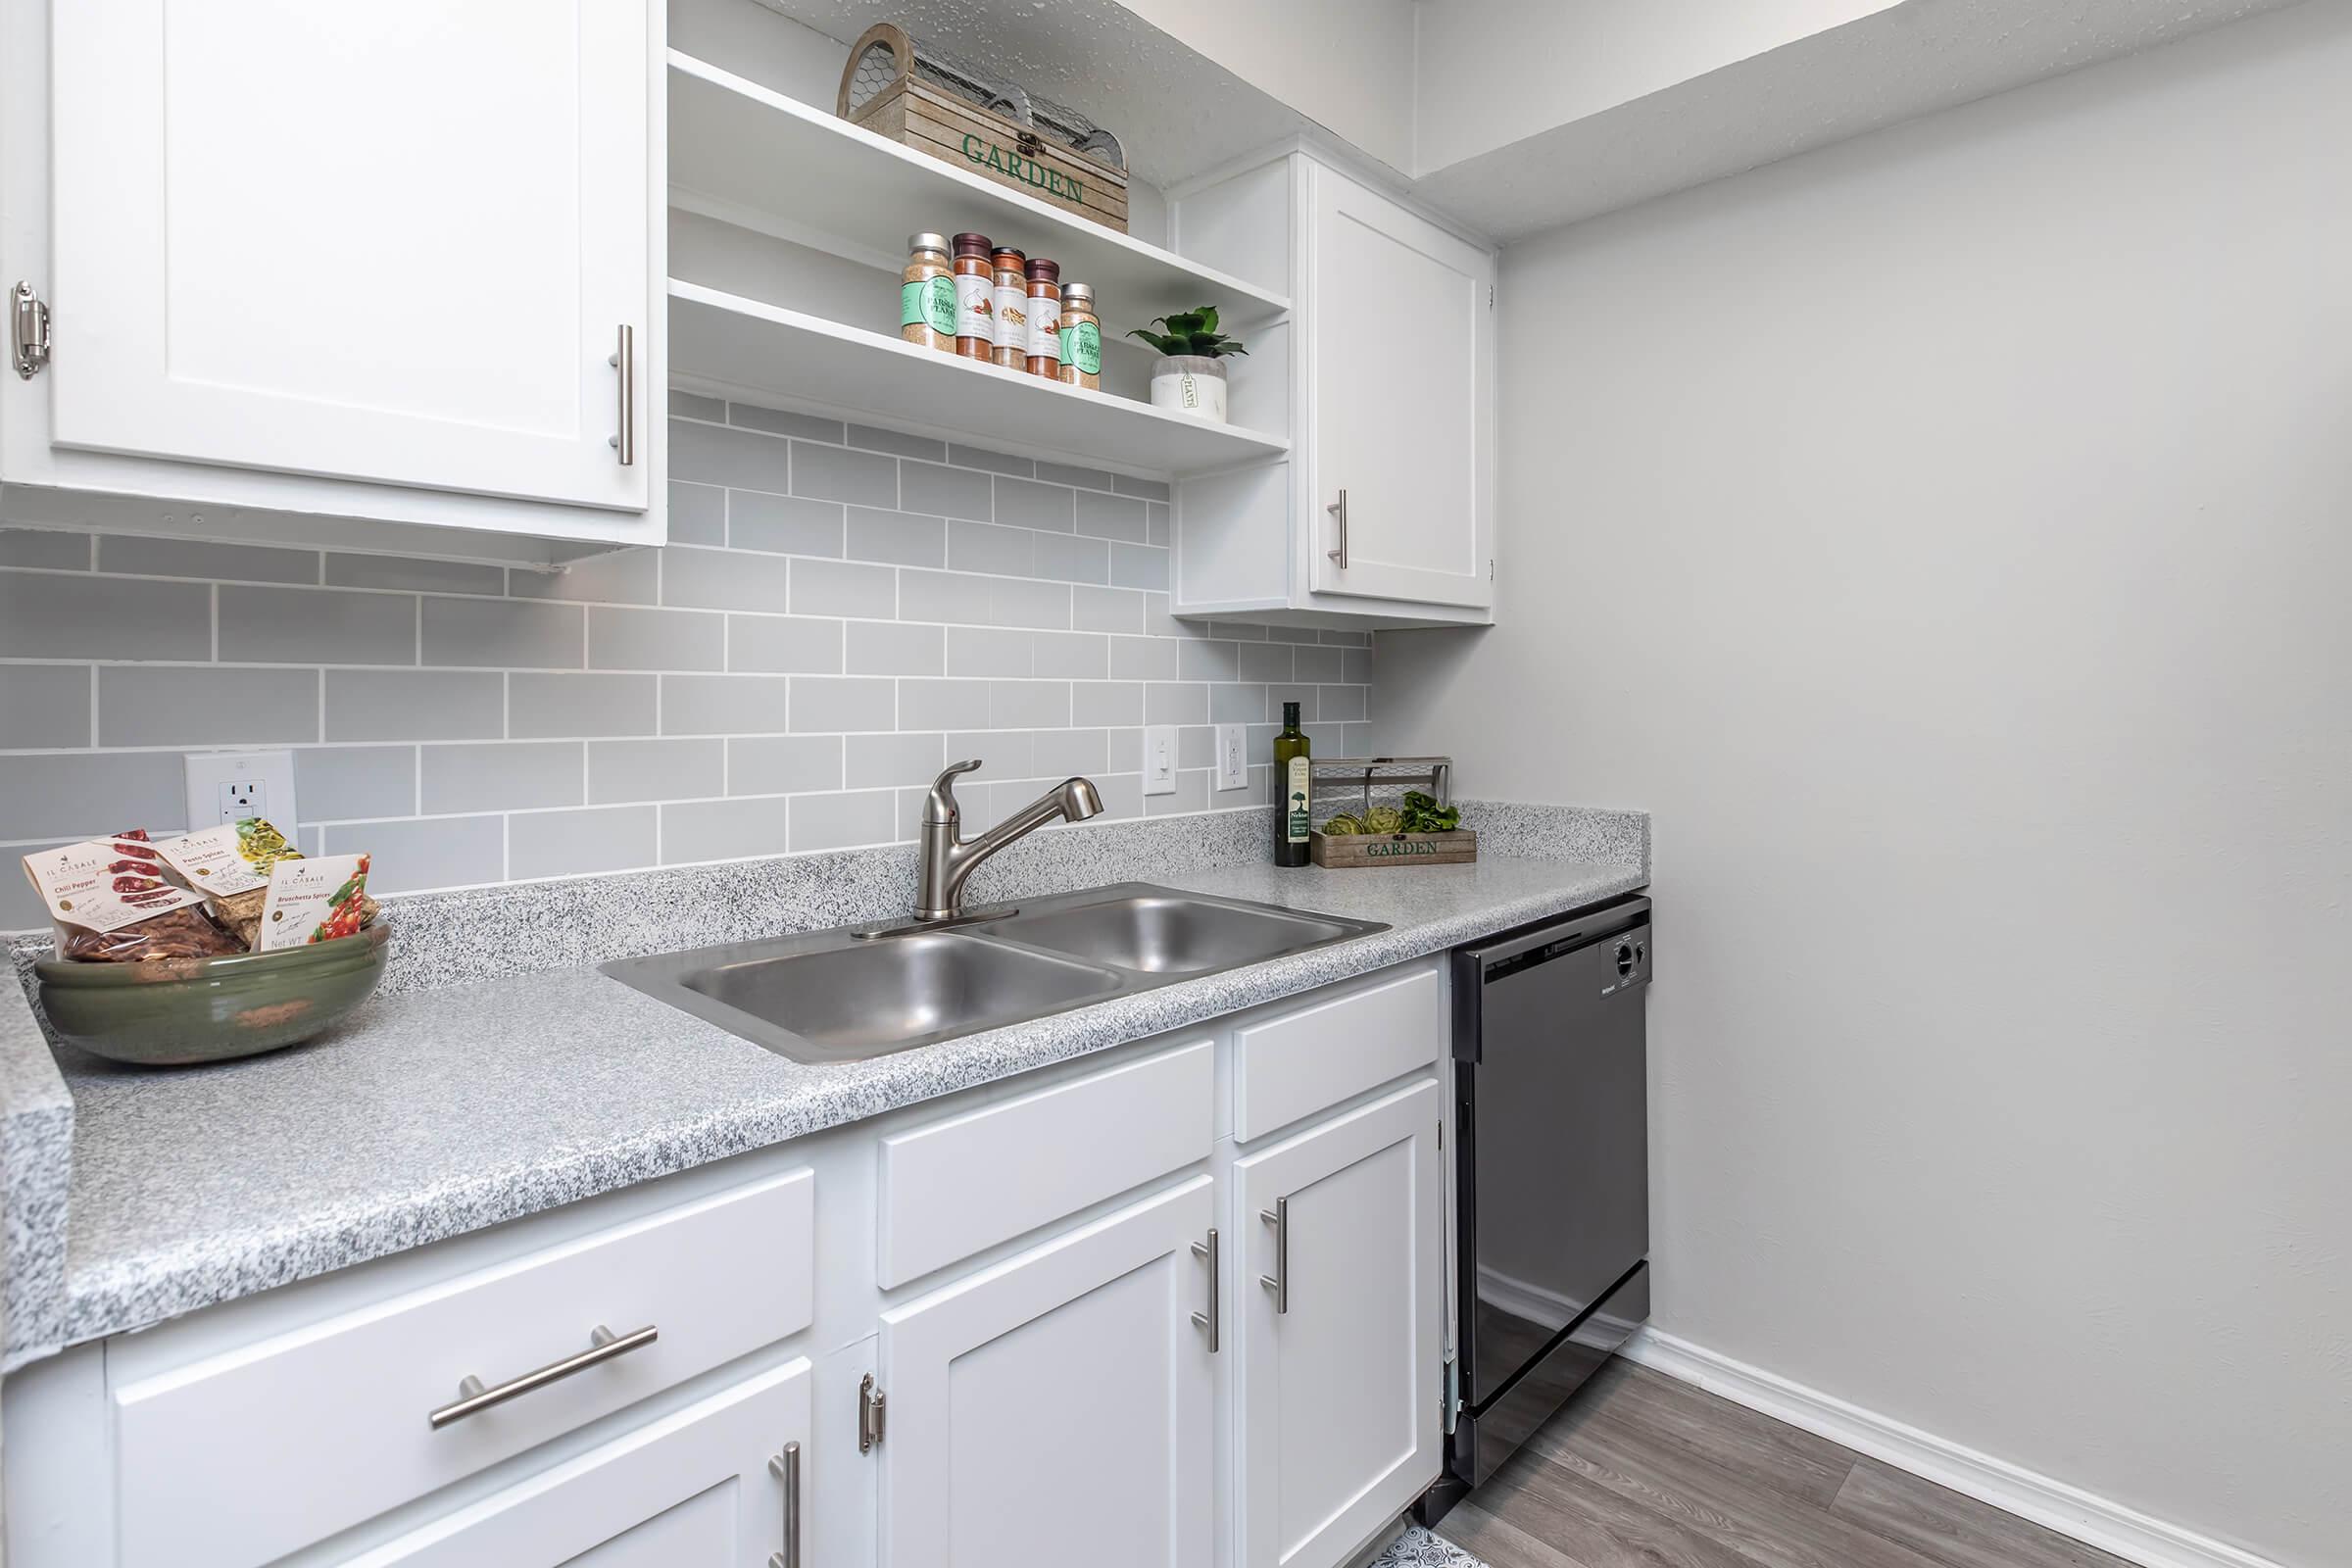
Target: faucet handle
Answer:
[[941, 806]]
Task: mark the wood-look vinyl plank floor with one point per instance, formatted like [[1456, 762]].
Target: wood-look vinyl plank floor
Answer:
[[1643, 1472]]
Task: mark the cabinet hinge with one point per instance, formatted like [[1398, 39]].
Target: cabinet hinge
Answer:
[[28, 330], [872, 1412], [1490, 569], [1490, 296]]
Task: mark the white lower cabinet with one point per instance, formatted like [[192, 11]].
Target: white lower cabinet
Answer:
[[1340, 1329], [1053, 1411], [710, 1486]]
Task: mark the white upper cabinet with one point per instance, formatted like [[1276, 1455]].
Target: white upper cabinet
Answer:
[[1400, 363], [390, 262], [1382, 512]]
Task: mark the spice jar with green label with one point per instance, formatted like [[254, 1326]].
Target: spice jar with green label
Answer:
[[1080, 337], [927, 294]]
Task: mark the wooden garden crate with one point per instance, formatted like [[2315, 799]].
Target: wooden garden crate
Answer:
[[916, 106], [1393, 848]]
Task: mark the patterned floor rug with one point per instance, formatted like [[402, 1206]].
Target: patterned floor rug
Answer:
[[1418, 1548]]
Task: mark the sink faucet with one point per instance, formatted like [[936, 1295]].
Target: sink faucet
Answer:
[[948, 860]]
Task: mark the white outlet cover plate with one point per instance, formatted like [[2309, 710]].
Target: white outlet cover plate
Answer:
[[1159, 760], [212, 775], [1232, 766]]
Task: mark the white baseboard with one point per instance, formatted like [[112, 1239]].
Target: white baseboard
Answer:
[[2070, 1510]]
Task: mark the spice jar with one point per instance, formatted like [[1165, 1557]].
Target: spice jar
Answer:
[[1045, 317], [975, 314], [1080, 337], [1009, 293], [927, 294]]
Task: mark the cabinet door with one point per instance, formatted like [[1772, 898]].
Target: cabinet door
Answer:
[[698, 1489], [391, 243], [1339, 1373], [1401, 380], [1054, 1411]]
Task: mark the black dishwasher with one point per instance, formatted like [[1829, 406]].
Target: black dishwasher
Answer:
[[1551, 1174]]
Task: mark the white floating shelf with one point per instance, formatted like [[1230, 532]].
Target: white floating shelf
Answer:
[[740, 147], [751, 349]]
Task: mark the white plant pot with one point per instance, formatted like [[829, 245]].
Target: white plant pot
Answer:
[[1190, 383]]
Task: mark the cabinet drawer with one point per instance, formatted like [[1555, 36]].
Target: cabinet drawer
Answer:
[[252, 1451], [1296, 1064], [954, 1187]]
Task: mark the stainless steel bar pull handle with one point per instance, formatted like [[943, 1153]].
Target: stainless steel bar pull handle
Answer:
[[624, 360], [786, 1467], [603, 1346], [1208, 1319], [1339, 510], [1279, 1282]]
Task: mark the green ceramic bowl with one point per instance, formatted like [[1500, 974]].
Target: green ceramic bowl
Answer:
[[179, 1012]]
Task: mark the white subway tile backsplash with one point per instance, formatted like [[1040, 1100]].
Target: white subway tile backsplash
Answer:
[[414, 704], [338, 782], [316, 626], [621, 772], [840, 821], [581, 843], [784, 645], [1025, 503], [504, 633], [501, 776], [616, 577], [722, 579], [895, 648], [44, 705], [726, 705], [790, 525], [944, 492], [901, 538], [842, 610], [39, 547], [415, 576], [76, 795], [184, 704], [48, 615], [621, 637], [843, 588], [565, 706], [146, 556], [723, 830], [837, 474], [836, 705], [783, 765]]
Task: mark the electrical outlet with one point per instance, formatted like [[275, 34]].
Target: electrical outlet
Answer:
[[229, 786], [1233, 768], [1159, 760]]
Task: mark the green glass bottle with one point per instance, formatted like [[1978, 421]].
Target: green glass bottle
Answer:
[[1293, 790]]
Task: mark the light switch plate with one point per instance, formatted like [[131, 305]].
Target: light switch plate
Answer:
[[225, 786], [1159, 760], [1232, 767]]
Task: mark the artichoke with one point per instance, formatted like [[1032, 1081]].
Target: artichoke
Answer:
[[1384, 819], [1342, 826]]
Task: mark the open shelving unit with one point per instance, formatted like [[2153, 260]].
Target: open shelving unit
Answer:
[[744, 154], [738, 146], [749, 348]]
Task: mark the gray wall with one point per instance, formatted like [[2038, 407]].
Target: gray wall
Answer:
[[840, 611], [1946, 535]]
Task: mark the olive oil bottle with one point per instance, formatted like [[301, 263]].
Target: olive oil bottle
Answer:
[[1293, 790]]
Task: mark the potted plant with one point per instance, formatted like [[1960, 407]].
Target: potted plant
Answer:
[[1189, 376]]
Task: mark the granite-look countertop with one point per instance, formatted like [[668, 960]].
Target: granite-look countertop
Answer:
[[441, 1110]]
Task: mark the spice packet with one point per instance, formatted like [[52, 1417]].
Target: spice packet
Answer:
[[315, 900], [112, 901], [230, 864]]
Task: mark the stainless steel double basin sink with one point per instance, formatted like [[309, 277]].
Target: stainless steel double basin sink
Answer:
[[860, 991]]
